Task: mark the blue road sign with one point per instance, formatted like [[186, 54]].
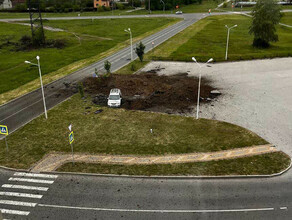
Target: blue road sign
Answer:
[[3, 130], [71, 137]]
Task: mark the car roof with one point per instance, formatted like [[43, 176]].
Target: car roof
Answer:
[[115, 91]]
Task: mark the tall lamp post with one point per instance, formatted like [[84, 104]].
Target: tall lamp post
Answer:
[[149, 7], [163, 5], [199, 87], [39, 66], [131, 39], [228, 31]]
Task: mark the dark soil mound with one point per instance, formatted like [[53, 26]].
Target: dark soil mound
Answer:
[[148, 90]]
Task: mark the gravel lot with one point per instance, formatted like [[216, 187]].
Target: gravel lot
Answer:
[[255, 94]]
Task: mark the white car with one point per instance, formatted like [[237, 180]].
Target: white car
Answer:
[[115, 98], [178, 12]]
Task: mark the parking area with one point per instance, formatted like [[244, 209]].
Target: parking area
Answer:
[[255, 94]]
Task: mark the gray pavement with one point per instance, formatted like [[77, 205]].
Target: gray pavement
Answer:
[[89, 197], [256, 95]]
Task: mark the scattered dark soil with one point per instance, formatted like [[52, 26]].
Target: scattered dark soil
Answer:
[[148, 91]]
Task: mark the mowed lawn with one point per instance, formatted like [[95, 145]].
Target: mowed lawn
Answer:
[[207, 38], [97, 37], [118, 131]]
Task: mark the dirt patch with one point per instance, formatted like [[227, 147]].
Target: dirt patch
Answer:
[[148, 91]]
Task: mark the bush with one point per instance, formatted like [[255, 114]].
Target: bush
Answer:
[[133, 67], [25, 40], [100, 8], [224, 5], [260, 43], [107, 66], [140, 51], [81, 89], [120, 6]]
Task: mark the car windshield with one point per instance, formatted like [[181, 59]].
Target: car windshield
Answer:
[[114, 97]]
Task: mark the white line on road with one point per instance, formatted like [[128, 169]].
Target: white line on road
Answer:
[[31, 180], [283, 208], [36, 175], [157, 211], [13, 212], [21, 195], [25, 187], [10, 202]]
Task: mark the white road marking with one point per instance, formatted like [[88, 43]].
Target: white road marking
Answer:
[[25, 187], [21, 195], [31, 180], [158, 211], [36, 175], [10, 202], [283, 208], [13, 212]]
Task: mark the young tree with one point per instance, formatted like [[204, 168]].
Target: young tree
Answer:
[[140, 51], [107, 66], [266, 15]]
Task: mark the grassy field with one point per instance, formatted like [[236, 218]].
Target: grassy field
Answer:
[[256, 165], [118, 131], [98, 39], [199, 40]]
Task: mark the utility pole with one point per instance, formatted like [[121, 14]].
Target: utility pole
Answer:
[[228, 31]]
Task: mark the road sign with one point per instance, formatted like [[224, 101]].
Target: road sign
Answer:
[[3, 130], [71, 137]]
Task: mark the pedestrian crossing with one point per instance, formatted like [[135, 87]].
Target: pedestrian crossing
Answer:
[[22, 193]]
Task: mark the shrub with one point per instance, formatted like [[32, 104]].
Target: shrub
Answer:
[[107, 66], [140, 51], [81, 89], [120, 6]]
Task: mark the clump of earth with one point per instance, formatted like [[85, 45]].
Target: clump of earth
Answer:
[[151, 92]]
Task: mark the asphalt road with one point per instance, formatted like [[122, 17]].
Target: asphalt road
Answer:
[[89, 197], [22, 110]]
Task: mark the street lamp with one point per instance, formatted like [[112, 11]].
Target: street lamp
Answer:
[[163, 5], [39, 66], [199, 87], [228, 38], [130, 32]]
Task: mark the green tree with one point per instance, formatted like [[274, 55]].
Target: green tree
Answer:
[[266, 15], [140, 51], [107, 66]]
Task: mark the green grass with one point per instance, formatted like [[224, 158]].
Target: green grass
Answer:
[[207, 38], [118, 131], [287, 18], [256, 165], [132, 67], [96, 38]]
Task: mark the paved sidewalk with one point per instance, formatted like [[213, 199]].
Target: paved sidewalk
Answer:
[[54, 160]]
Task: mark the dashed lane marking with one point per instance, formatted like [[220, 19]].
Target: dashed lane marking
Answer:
[[27, 195], [10, 186], [36, 175], [10, 202], [31, 180], [13, 212]]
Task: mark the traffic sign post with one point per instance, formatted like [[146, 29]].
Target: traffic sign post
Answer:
[[71, 140], [4, 130]]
